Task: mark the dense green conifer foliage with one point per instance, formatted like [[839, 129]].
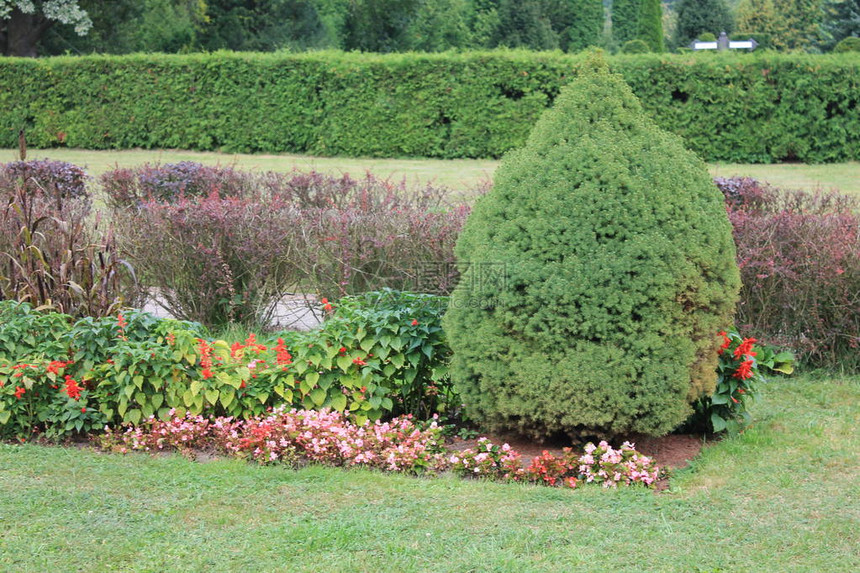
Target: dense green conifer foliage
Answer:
[[650, 28], [596, 274], [638, 20]]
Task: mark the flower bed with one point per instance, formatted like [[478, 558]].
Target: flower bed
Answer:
[[299, 437]]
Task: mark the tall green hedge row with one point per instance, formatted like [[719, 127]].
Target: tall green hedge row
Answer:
[[729, 107]]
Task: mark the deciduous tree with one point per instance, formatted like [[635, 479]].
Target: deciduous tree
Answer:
[[23, 22]]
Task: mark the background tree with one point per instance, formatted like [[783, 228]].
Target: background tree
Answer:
[[378, 25], [698, 16], [24, 22], [790, 24], [841, 20], [124, 26], [577, 23], [625, 19], [440, 25], [523, 24], [262, 25], [638, 20], [650, 27]]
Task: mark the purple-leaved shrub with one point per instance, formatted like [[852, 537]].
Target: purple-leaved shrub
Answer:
[[799, 255], [220, 258], [57, 179]]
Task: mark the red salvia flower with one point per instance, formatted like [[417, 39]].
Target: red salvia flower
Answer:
[[251, 342], [55, 366], [745, 348], [72, 388], [20, 392], [205, 359], [283, 355], [726, 341], [744, 371]]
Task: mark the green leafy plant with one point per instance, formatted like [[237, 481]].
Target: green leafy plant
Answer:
[[24, 331], [740, 371], [40, 397], [378, 355]]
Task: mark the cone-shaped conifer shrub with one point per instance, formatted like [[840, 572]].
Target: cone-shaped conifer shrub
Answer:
[[595, 275]]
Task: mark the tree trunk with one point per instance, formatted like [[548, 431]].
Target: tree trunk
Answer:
[[23, 32]]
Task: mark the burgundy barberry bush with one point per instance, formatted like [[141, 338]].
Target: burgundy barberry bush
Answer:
[[799, 256]]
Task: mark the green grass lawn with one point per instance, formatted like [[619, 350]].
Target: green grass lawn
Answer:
[[459, 174], [783, 496]]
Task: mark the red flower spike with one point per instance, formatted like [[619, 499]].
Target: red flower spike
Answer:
[[19, 392], [72, 389], [414, 323], [283, 355], [726, 341], [745, 348], [744, 371]]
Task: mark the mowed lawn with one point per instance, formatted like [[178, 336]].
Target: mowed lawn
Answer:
[[458, 174], [783, 496]]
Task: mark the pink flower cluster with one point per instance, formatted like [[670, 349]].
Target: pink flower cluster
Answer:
[[328, 437], [178, 433], [603, 464], [488, 460], [599, 464], [295, 437]]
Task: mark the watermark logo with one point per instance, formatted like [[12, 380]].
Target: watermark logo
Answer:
[[482, 280]]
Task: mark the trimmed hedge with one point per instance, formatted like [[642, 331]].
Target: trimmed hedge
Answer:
[[760, 107]]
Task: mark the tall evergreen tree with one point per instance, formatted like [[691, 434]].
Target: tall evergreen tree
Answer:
[[597, 273], [378, 25], [841, 20], [262, 25], [522, 24], [638, 20], [650, 29], [439, 25], [790, 24], [698, 16], [578, 23], [625, 20]]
